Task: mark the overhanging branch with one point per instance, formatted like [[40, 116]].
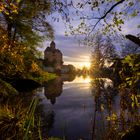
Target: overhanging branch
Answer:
[[104, 16]]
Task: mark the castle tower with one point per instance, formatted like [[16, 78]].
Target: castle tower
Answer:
[[53, 57], [52, 45]]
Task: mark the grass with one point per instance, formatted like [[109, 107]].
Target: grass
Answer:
[[18, 122], [44, 77], [7, 89]]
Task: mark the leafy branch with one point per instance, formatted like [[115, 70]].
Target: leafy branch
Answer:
[[104, 16]]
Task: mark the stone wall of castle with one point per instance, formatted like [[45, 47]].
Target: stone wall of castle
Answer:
[[53, 57]]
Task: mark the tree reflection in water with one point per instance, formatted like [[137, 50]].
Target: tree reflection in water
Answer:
[[103, 93], [113, 113], [109, 114]]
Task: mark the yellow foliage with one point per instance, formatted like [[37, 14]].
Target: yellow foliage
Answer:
[[8, 8], [11, 56], [113, 117], [34, 67], [2, 7]]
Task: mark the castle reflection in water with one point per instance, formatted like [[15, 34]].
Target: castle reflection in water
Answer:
[[54, 88]]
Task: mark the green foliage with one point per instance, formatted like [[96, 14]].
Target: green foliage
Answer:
[[135, 101], [25, 26], [29, 120], [6, 89], [129, 73], [18, 122], [134, 14], [26, 20], [113, 117], [107, 16], [11, 120], [130, 78]]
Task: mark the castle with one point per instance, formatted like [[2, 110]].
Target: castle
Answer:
[[53, 58], [53, 61]]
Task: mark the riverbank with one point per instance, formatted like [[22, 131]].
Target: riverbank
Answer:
[[18, 107]]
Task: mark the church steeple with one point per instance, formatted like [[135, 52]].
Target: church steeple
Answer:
[[52, 45]]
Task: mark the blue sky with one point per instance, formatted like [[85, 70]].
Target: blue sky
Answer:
[[79, 55]]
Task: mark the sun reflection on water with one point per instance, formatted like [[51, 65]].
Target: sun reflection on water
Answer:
[[82, 79]]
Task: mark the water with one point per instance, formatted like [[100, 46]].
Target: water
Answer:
[[82, 108]]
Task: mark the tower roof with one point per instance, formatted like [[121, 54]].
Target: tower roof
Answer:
[[52, 45]]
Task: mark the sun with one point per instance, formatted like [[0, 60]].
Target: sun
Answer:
[[80, 64], [84, 64]]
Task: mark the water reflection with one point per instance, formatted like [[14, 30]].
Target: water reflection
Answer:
[[81, 79], [90, 109], [104, 94], [53, 89]]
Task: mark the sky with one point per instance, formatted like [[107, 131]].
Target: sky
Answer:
[[74, 53]]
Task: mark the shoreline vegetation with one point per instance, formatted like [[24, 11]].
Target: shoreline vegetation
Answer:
[[19, 67], [23, 27], [17, 118], [11, 114]]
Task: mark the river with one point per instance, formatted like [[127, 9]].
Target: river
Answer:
[[82, 108]]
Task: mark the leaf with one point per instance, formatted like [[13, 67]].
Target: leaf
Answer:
[[131, 3], [18, 1], [104, 33], [127, 79], [138, 26], [130, 83], [133, 104], [138, 74], [134, 14]]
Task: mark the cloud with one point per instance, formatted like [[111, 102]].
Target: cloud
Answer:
[[79, 59], [130, 26], [73, 53]]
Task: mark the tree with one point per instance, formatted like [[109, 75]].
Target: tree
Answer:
[[97, 60], [25, 20], [130, 48], [134, 39], [22, 26], [102, 55], [109, 51], [107, 16]]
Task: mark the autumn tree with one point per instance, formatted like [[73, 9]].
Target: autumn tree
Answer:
[[26, 20], [23, 26]]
